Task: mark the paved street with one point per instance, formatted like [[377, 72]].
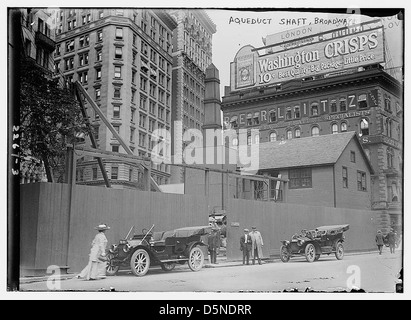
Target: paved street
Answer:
[[371, 272]]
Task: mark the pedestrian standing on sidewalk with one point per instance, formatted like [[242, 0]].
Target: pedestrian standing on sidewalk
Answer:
[[391, 240], [213, 243], [245, 246], [257, 245], [96, 267], [379, 239]]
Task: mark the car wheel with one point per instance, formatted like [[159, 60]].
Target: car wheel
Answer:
[[195, 259], [284, 255], [140, 262], [168, 266], [111, 269], [339, 251], [317, 256], [310, 252]]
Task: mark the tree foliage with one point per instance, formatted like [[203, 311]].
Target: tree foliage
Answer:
[[50, 116]]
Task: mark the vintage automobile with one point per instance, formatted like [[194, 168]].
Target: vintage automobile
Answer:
[[314, 243], [164, 249]]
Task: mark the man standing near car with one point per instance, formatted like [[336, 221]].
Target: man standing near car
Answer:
[[245, 246], [213, 243], [257, 245]]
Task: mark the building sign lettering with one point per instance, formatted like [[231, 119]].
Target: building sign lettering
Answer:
[[321, 57], [380, 139], [266, 122]]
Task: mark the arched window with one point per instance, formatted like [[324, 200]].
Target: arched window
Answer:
[[333, 105], [315, 131], [390, 158], [314, 109], [235, 142], [343, 126], [343, 104], [273, 136], [297, 133], [257, 139], [334, 128], [364, 130], [289, 134], [389, 127], [273, 116]]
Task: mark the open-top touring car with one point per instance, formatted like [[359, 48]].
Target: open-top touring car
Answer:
[[314, 243], [165, 249]]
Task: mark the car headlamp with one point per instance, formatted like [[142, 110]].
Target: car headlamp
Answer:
[[126, 248]]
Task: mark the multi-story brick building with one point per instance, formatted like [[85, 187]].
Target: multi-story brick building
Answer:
[[362, 98], [38, 44], [123, 58], [192, 54]]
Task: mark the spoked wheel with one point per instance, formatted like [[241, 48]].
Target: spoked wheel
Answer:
[[284, 255], [111, 269], [310, 252], [339, 253], [195, 259], [140, 262], [168, 266]]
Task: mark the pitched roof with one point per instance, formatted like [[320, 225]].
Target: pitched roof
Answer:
[[308, 151]]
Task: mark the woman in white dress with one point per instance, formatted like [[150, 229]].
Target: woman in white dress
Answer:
[[96, 268]]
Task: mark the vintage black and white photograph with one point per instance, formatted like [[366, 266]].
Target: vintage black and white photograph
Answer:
[[184, 149]]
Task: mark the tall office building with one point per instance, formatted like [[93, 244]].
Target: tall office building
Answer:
[[192, 54], [286, 100], [123, 58]]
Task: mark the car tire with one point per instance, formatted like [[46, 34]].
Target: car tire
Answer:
[[168, 266], [310, 252], [140, 262], [317, 257], [111, 270], [339, 251], [284, 255], [195, 259]]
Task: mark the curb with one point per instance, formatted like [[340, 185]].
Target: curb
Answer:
[[221, 264]]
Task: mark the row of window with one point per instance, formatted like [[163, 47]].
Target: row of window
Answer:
[[292, 113], [114, 175], [302, 178], [314, 131]]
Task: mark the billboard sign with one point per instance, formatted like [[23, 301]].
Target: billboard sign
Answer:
[[321, 57]]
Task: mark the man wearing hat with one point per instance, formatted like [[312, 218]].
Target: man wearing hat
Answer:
[[96, 267], [257, 244], [391, 237], [213, 243], [379, 239], [245, 246]]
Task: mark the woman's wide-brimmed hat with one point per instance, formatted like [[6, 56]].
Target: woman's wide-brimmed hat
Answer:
[[102, 226]]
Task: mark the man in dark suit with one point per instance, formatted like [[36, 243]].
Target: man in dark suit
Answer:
[[245, 246]]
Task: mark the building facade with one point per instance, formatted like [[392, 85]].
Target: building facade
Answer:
[[38, 44], [192, 54], [329, 170], [362, 98], [123, 58]]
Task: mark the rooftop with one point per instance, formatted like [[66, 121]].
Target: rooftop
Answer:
[[304, 152]]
